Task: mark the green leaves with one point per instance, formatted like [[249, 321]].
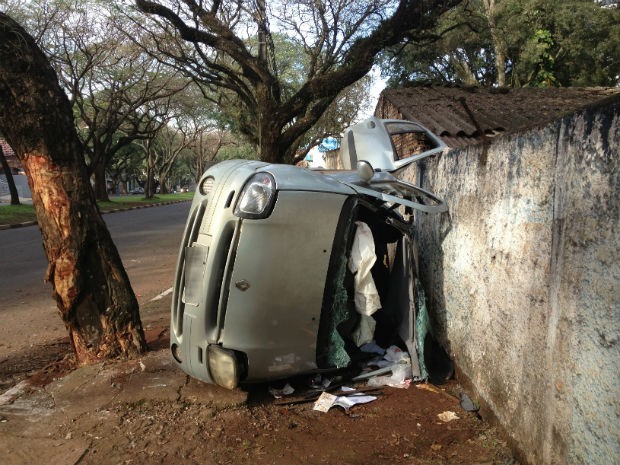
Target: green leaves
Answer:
[[534, 42]]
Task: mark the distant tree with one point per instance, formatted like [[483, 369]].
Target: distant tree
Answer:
[[111, 82], [90, 285], [9, 178], [114, 88], [515, 43], [126, 165], [230, 48], [170, 142], [206, 147]]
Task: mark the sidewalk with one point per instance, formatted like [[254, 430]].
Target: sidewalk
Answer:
[[6, 200], [34, 418]]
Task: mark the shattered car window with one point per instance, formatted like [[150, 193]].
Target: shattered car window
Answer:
[[408, 140]]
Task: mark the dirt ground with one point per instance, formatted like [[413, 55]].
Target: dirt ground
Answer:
[[384, 431], [400, 427]]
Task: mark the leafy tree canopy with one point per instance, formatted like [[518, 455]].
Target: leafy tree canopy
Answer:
[[516, 43], [276, 67]]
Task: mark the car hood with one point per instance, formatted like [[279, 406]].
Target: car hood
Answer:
[[383, 186], [289, 177]]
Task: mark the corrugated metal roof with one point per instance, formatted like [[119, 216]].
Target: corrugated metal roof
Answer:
[[459, 115], [6, 148], [9, 154]]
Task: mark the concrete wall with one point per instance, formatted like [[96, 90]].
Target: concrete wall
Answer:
[[523, 277]]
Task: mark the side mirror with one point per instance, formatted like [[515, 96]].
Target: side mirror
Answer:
[[365, 171]]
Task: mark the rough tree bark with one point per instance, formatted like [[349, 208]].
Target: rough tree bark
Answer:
[[101, 185], [498, 42], [90, 285]]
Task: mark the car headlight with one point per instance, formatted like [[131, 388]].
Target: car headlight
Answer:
[[257, 197], [227, 367]]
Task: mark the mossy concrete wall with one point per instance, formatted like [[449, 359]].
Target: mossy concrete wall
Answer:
[[523, 278]]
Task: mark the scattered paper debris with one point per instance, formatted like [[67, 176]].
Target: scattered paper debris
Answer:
[[327, 400], [287, 390], [428, 387], [395, 354], [391, 381], [447, 416], [324, 402]]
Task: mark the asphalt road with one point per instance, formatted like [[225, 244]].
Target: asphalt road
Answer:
[[147, 239]]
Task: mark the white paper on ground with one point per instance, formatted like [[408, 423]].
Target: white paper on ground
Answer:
[[327, 400], [448, 416]]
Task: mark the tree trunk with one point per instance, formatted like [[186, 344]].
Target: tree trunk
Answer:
[[269, 149], [149, 190], [9, 179], [269, 134], [90, 285], [498, 42], [101, 185], [163, 183]]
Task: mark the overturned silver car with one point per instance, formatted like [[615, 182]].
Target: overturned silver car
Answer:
[[266, 285]]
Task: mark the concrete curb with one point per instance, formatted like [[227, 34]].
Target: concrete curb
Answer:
[[136, 207], [17, 225]]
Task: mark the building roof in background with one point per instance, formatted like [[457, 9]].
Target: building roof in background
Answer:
[[461, 115], [6, 148], [9, 154]]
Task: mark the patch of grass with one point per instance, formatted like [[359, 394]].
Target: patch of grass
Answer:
[[124, 201], [158, 198], [14, 214]]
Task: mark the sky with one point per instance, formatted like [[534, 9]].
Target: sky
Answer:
[[315, 156], [376, 89]]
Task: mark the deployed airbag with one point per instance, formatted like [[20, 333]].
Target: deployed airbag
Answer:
[[361, 260]]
